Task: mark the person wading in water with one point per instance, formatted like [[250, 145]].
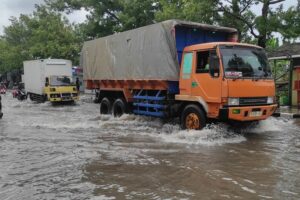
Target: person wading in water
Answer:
[[1, 114], [78, 85]]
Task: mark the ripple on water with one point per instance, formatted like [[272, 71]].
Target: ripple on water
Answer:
[[214, 134], [56, 145]]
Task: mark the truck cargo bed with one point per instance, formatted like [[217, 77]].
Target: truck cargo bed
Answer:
[[148, 53]]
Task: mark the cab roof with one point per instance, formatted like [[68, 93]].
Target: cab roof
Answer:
[[214, 44]]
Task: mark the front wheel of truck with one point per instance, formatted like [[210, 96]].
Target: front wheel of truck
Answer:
[[193, 118], [105, 106]]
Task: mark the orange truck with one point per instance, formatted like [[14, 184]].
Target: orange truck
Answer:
[[178, 69]]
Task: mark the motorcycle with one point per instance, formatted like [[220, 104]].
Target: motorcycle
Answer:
[[15, 92], [19, 92], [2, 90], [21, 95]]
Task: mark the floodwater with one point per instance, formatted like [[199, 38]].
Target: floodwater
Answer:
[[70, 152]]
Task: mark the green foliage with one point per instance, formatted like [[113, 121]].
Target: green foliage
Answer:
[[109, 16], [41, 35], [202, 11], [290, 23], [46, 33], [137, 13]]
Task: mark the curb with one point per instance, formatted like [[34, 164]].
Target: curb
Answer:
[[286, 115]]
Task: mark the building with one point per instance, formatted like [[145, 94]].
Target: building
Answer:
[[285, 62]]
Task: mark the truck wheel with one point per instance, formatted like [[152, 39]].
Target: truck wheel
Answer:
[[31, 97], [119, 108], [193, 117], [105, 106]]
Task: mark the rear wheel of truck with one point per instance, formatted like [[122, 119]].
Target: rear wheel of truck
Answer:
[[105, 106], [193, 117], [30, 96], [119, 107]]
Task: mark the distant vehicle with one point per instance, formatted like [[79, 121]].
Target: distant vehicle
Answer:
[[14, 91], [49, 79], [20, 92], [2, 89], [177, 69]]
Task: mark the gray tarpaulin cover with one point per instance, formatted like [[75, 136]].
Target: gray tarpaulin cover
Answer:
[[145, 53]]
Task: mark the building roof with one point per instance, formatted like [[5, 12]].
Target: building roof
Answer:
[[285, 51]]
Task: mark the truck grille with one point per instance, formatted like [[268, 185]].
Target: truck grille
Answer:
[[66, 94], [253, 101]]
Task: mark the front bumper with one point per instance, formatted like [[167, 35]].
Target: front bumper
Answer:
[[60, 98], [249, 113]]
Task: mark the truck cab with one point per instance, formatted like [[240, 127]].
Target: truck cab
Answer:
[[228, 81], [60, 88]]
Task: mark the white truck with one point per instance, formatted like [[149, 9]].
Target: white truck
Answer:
[[49, 79]]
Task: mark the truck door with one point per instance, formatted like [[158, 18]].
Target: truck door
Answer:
[[206, 77], [185, 74]]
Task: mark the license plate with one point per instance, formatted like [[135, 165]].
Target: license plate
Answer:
[[255, 114]]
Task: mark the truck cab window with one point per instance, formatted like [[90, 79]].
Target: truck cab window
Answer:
[[202, 62], [187, 65]]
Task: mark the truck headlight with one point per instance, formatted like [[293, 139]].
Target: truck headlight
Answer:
[[233, 101], [270, 100]]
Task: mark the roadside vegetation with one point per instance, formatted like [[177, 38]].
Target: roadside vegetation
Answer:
[[46, 33]]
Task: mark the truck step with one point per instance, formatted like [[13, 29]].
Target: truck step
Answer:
[[149, 103]]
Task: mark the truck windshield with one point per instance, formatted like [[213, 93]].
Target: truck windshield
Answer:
[[245, 62], [60, 81]]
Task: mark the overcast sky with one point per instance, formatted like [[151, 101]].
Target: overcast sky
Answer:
[[10, 8]]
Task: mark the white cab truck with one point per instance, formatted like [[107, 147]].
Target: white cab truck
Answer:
[[49, 79]]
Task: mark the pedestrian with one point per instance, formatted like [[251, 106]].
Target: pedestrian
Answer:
[[1, 114], [78, 85]]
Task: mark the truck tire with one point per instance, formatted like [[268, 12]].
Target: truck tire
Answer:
[[105, 106], [193, 117], [119, 107], [30, 96]]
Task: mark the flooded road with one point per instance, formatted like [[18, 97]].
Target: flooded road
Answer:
[[70, 152]]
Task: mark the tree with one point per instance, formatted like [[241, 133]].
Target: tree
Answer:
[[237, 8], [260, 27], [290, 23], [202, 11], [41, 35], [13, 45], [109, 16], [137, 13]]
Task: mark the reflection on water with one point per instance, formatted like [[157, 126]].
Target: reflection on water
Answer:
[[70, 152]]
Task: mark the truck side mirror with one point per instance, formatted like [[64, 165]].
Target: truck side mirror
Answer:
[[47, 82], [214, 67]]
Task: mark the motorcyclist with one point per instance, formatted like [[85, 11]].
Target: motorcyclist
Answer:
[[21, 94]]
